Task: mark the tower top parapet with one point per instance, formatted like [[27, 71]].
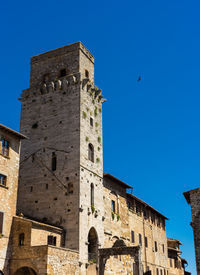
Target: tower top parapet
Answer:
[[61, 51]]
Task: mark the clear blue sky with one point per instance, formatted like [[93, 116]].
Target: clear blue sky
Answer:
[[151, 128]]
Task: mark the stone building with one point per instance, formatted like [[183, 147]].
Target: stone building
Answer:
[[9, 168], [72, 217], [193, 198]]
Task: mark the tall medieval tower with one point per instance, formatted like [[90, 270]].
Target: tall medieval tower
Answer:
[[61, 171]]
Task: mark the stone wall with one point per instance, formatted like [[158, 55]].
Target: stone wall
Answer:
[[193, 198], [8, 194]]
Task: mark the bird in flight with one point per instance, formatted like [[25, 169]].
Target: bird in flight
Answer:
[[139, 78]]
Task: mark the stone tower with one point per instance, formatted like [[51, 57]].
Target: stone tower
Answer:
[[193, 198], [61, 171]]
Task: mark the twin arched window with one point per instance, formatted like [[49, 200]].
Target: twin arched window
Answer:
[[91, 152]]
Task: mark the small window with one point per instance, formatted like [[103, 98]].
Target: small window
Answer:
[[91, 152], [70, 188], [140, 239], [21, 239], [92, 194], [163, 248], [63, 72], [86, 74], [1, 222], [3, 180], [47, 186], [5, 147], [51, 240], [91, 121], [132, 237], [146, 242], [157, 271], [156, 246], [53, 162], [128, 204], [113, 206], [31, 189]]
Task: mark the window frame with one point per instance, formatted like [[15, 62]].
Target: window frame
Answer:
[[5, 150], [1, 180]]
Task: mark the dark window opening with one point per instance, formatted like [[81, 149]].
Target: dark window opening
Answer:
[[47, 186], [1, 222], [161, 272], [21, 239], [5, 147], [163, 248], [31, 189], [53, 162], [113, 206], [146, 242], [157, 271], [51, 240], [132, 237], [3, 180], [86, 74], [92, 194], [91, 121], [129, 204], [63, 72], [156, 246], [70, 188], [92, 245], [91, 152], [140, 239]]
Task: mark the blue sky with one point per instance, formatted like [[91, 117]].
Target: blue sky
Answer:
[[151, 128]]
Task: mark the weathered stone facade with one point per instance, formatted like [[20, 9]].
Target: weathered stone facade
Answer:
[[73, 219], [9, 168], [193, 198]]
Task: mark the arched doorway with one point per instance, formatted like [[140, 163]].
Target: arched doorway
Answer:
[[25, 271], [92, 245]]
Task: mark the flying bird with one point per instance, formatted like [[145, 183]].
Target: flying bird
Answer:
[[139, 78]]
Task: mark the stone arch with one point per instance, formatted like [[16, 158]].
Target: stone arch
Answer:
[[119, 243], [25, 270], [92, 245], [1, 272]]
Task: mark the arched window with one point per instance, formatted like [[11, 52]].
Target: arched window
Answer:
[[53, 162], [92, 245], [91, 152], [92, 194], [21, 239], [86, 74]]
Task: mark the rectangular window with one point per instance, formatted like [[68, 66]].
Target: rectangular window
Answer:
[[5, 147], [51, 240], [163, 248], [113, 206], [3, 180], [132, 237], [156, 246], [146, 242], [140, 239], [1, 222]]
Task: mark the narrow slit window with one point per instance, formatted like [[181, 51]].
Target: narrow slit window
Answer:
[[1, 222], [91, 152], [132, 237], [21, 239], [156, 246], [53, 162], [91, 122], [92, 194], [146, 242], [86, 74], [113, 206]]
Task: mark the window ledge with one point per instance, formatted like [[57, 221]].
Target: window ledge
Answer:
[[3, 186], [7, 157]]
